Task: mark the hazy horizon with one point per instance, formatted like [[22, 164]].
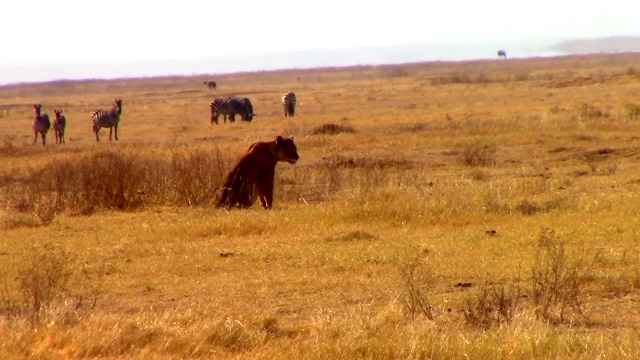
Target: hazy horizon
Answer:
[[304, 59], [66, 39]]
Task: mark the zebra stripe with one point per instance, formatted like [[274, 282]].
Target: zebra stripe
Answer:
[[230, 107], [58, 126], [41, 124], [107, 119], [289, 103], [211, 84], [217, 107]]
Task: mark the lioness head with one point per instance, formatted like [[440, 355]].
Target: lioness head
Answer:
[[286, 150]]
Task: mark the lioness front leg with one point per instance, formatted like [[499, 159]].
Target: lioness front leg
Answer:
[[265, 191]]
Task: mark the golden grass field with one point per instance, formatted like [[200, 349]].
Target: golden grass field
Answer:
[[447, 210]]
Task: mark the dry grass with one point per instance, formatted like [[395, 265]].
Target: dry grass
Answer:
[[481, 209]]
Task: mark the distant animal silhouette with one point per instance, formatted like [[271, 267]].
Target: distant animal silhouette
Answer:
[[289, 103], [41, 124], [211, 84], [502, 54], [58, 126], [230, 107], [254, 173], [107, 119]]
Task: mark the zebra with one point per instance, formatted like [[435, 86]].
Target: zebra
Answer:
[[218, 106], [107, 119], [41, 124], [58, 126], [502, 54], [243, 107], [289, 103], [211, 84], [230, 107]]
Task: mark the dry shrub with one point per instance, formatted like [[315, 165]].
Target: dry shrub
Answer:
[[357, 235], [52, 284], [631, 111], [479, 155], [332, 129], [416, 284], [117, 180], [556, 281], [604, 167], [107, 179], [197, 175], [480, 175], [493, 305], [588, 111], [530, 207], [234, 335]]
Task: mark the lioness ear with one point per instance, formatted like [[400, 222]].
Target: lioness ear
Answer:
[[279, 140]]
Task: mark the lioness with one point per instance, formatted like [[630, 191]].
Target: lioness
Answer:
[[254, 174]]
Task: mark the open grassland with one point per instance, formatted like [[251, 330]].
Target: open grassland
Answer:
[[481, 210]]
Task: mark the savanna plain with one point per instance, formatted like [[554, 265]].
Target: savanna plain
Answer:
[[446, 210]]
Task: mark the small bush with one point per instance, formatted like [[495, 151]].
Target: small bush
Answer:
[[332, 129], [492, 306], [631, 111], [556, 282], [51, 284], [196, 176], [416, 283], [529, 207], [479, 155], [588, 111]]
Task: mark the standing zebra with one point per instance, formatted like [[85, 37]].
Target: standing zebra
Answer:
[[502, 54], [211, 84], [107, 119], [289, 103], [41, 124], [58, 126], [230, 107]]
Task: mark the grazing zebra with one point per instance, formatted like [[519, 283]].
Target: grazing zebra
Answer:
[[230, 107], [58, 126], [289, 103], [502, 54], [211, 84], [107, 119], [243, 107], [41, 124]]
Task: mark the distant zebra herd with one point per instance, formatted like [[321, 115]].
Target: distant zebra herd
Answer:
[[227, 107]]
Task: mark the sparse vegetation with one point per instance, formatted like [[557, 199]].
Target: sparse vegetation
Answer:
[[409, 228]]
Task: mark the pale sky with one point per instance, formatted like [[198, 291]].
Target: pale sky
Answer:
[[46, 31]]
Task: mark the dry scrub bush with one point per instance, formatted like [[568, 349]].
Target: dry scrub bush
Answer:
[[416, 283], [118, 180], [588, 111], [493, 305], [197, 175], [556, 282], [332, 129], [479, 155], [51, 285], [631, 111]]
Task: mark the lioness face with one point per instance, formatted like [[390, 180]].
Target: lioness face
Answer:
[[287, 150]]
